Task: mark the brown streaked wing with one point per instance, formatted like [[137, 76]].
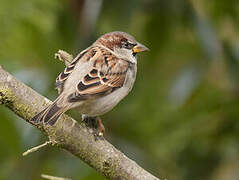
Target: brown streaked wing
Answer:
[[84, 55], [104, 78]]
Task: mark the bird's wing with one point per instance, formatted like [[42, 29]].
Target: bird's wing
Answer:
[[63, 76], [106, 75]]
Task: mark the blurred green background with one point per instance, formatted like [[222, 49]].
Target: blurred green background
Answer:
[[180, 121]]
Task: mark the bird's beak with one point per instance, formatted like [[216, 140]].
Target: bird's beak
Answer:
[[140, 48]]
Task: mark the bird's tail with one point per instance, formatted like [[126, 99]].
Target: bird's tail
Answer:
[[50, 114]]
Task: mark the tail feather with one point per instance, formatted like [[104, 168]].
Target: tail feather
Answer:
[[37, 118], [49, 115]]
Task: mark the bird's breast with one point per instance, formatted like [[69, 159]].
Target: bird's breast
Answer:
[[104, 104]]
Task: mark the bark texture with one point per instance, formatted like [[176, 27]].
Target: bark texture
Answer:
[[69, 134]]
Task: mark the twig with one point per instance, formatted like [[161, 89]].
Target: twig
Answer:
[[34, 149], [64, 57], [45, 176]]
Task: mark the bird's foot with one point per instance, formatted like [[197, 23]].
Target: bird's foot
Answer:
[[100, 128], [96, 126]]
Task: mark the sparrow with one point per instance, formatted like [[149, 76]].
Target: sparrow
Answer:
[[96, 80]]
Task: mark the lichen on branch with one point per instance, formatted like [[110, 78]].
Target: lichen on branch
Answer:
[[68, 133]]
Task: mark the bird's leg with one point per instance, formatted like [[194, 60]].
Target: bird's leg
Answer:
[[100, 126], [89, 121], [96, 124]]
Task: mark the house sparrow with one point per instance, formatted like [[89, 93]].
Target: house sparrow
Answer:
[[96, 80]]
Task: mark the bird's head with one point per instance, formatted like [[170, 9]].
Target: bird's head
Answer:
[[123, 44]]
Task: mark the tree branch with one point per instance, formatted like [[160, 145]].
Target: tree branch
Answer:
[[69, 134]]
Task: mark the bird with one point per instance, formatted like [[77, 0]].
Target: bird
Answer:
[[96, 80]]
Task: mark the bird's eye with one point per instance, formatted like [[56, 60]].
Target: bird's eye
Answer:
[[128, 45]]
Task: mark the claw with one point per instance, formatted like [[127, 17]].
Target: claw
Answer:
[[101, 134], [100, 127], [96, 125]]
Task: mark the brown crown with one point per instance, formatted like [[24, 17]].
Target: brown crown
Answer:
[[112, 40]]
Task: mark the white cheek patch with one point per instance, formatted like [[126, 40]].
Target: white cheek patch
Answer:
[[125, 54]]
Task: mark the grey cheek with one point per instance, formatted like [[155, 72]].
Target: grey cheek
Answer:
[[134, 72]]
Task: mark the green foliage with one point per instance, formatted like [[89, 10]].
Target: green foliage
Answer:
[[181, 119]]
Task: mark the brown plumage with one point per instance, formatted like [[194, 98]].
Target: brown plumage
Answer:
[[97, 79]]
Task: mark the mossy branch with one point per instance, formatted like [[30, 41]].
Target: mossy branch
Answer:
[[69, 134]]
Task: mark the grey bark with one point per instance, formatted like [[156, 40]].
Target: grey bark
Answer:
[[69, 134]]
